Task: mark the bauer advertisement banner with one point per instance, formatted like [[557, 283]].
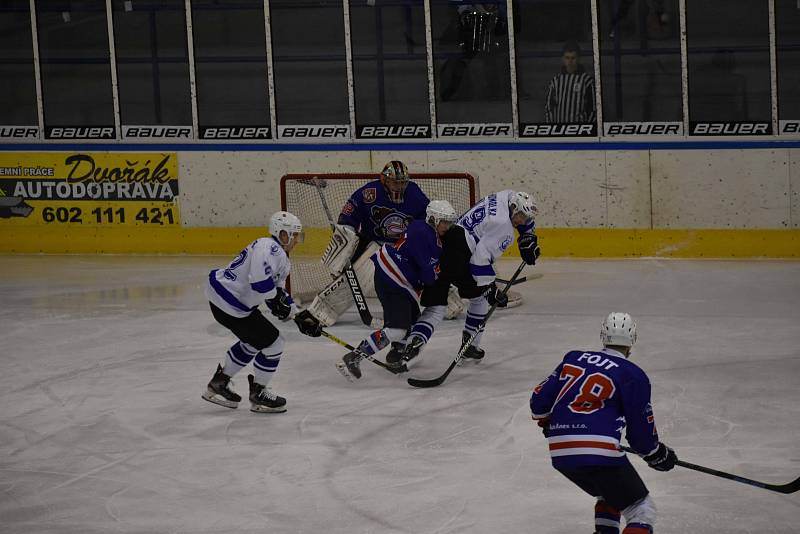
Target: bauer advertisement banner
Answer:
[[88, 189]]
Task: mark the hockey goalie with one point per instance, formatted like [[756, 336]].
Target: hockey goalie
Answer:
[[376, 213]]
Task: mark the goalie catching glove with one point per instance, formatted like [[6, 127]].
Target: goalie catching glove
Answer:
[[281, 304], [529, 248], [340, 249], [308, 324]]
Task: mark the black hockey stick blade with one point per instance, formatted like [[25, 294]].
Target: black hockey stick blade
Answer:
[[439, 380], [791, 487]]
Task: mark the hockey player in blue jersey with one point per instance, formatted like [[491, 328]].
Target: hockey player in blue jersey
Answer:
[[402, 269], [470, 250], [256, 275], [376, 213], [583, 407]]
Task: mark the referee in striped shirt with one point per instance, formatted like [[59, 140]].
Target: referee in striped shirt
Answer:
[[570, 95]]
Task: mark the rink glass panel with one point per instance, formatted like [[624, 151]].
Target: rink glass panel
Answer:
[[471, 70], [787, 35], [230, 54], [308, 51], [728, 60], [75, 64], [152, 62], [541, 28], [17, 78], [390, 69], [640, 60]]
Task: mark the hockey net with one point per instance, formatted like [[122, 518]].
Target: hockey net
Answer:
[[300, 197]]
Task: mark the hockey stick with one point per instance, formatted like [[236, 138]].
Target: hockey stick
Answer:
[[438, 381], [791, 487], [348, 346], [349, 273], [504, 281]]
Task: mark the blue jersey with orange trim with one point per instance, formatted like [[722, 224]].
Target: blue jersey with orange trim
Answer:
[[413, 261], [374, 216], [590, 398]]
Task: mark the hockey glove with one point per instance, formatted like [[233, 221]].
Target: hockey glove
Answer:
[[308, 324], [663, 459], [495, 296], [281, 304], [528, 248]]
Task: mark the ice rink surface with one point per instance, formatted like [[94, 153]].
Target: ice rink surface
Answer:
[[102, 428]]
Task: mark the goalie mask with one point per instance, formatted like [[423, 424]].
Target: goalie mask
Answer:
[[522, 206], [439, 211], [394, 178], [283, 221], [619, 329]]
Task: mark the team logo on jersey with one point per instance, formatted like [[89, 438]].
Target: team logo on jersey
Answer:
[[504, 244], [348, 208], [389, 223], [273, 250], [370, 194]]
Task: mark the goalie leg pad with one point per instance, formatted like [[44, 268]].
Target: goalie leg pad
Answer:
[[331, 302], [455, 304]]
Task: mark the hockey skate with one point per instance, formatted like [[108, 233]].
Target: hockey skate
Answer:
[[263, 400], [395, 355], [473, 354], [410, 351], [350, 366], [219, 391]]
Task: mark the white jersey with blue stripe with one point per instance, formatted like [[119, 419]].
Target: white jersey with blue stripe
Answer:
[[250, 279], [489, 233]]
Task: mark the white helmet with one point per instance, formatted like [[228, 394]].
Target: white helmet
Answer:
[[286, 222], [619, 329], [439, 210], [521, 202]]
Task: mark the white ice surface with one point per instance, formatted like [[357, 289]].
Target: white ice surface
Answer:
[[102, 428]]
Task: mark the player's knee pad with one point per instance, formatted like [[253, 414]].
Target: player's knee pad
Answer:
[[275, 348], [642, 512]]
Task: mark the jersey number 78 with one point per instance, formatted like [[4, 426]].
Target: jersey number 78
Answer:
[[594, 390]]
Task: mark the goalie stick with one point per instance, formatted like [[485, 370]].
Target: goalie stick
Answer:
[[791, 487], [348, 346], [349, 273], [439, 380]]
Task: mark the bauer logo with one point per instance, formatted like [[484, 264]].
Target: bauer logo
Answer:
[[558, 130], [475, 130], [612, 129], [79, 132], [19, 132], [156, 132], [314, 132], [790, 128], [235, 132], [730, 128], [408, 131]]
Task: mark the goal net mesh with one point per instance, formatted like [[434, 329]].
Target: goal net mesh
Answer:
[[299, 196]]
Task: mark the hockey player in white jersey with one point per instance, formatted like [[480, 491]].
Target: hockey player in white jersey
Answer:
[[488, 230], [258, 274]]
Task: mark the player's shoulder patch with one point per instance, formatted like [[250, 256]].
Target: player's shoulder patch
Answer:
[[369, 194], [506, 242], [348, 208], [273, 249]]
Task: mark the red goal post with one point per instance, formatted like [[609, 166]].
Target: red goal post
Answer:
[[299, 196]]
